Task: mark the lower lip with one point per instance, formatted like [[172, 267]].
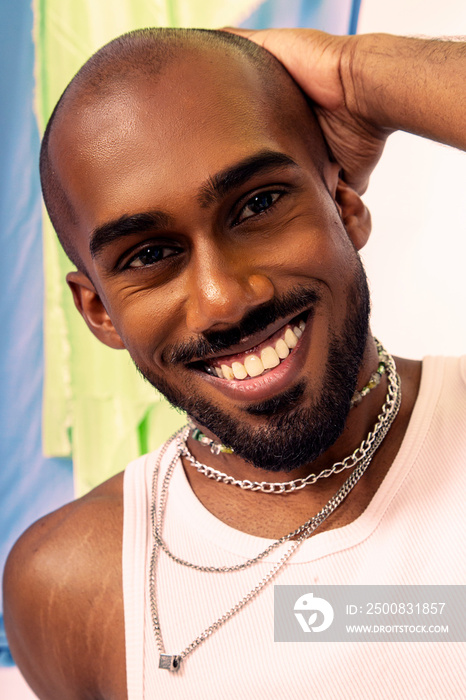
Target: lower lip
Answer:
[[266, 385]]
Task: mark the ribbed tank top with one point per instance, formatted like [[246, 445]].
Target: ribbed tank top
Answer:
[[412, 532]]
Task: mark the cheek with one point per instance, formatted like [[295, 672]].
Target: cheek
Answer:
[[322, 252], [146, 321], [314, 242]]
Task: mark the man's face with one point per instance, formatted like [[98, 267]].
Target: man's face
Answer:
[[210, 236]]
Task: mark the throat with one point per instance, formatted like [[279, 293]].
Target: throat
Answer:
[[273, 517]]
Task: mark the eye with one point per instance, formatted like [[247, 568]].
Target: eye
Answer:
[[150, 255], [258, 204]]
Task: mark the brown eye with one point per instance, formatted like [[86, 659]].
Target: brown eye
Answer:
[[258, 204], [150, 255]]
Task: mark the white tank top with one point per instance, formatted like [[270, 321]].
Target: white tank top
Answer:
[[413, 532]]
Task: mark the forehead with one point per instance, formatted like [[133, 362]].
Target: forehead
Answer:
[[151, 140]]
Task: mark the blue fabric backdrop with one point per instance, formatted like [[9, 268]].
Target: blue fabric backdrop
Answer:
[[30, 485]]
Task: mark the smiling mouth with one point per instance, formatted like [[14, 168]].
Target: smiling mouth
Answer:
[[258, 360]]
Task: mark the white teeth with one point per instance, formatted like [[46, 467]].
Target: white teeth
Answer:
[[282, 349], [290, 339], [227, 372], [253, 365], [269, 358], [239, 370]]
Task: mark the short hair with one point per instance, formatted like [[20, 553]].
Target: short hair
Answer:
[[145, 52]]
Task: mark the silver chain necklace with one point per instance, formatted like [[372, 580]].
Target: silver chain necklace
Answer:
[[172, 662], [388, 413], [366, 448]]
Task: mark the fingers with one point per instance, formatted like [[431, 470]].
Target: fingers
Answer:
[[310, 56], [314, 60]]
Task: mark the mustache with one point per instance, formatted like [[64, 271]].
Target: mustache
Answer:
[[295, 301]]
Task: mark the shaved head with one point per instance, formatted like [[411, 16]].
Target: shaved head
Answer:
[[145, 55]]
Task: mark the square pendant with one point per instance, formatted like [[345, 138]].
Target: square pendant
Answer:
[[169, 662]]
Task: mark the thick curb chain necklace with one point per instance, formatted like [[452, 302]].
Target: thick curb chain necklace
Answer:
[[172, 662], [366, 448]]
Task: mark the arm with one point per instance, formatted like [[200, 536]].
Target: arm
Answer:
[[35, 583], [63, 602], [365, 87]]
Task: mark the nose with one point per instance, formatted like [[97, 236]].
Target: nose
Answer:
[[222, 289]]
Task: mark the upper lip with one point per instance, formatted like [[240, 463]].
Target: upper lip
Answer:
[[252, 341]]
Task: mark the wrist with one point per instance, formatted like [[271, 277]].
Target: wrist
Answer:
[[367, 64], [393, 82]]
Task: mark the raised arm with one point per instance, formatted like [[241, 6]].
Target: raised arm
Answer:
[[367, 86]]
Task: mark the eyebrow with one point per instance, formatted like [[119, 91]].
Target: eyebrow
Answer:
[[126, 225], [223, 183], [216, 187]]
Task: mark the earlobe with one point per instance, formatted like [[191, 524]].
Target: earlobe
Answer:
[[91, 308], [354, 214]]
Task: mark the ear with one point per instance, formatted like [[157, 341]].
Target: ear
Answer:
[[354, 214], [91, 308]]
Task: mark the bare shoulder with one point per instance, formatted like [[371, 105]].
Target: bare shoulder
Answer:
[[64, 601]]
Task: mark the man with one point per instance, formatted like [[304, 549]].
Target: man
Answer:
[[189, 182]]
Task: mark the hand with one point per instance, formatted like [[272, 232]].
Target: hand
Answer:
[[319, 63]]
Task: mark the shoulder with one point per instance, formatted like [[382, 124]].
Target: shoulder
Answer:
[[63, 597]]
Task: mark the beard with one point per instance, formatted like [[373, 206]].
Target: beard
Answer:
[[291, 435]]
